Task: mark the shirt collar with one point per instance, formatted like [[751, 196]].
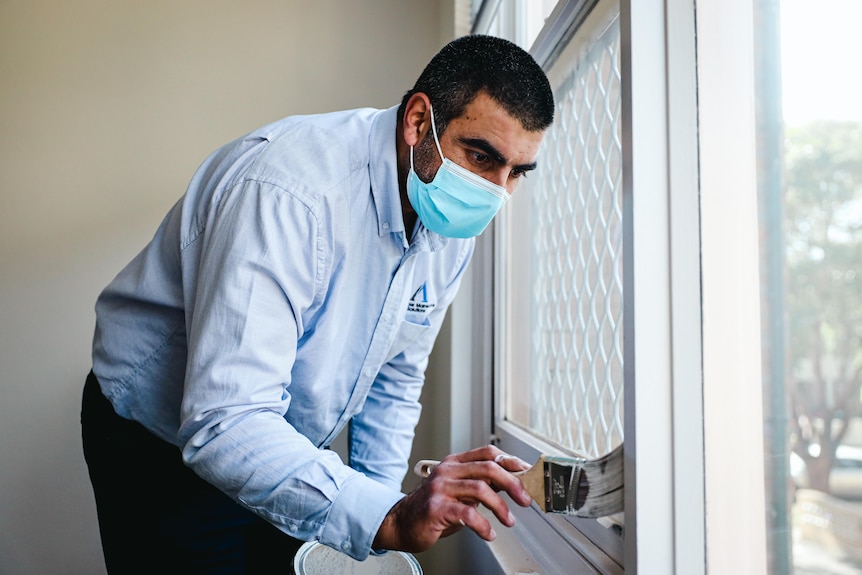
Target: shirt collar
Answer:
[[383, 169]]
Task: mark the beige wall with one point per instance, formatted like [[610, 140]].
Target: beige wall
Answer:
[[106, 109]]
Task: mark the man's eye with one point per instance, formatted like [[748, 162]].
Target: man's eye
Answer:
[[480, 158], [519, 173]]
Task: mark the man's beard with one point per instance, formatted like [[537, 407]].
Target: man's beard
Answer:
[[426, 158]]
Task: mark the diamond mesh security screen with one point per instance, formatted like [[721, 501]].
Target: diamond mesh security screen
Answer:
[[573, 393]]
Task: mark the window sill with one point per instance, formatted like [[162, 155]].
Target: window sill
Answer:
[[541, 544]]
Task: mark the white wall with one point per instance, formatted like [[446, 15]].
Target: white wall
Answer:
[[106, 109]]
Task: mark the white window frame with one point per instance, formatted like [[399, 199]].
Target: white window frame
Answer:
[[694, 447], [735, 508]]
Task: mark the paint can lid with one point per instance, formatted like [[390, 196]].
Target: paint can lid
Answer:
[[314, 558]]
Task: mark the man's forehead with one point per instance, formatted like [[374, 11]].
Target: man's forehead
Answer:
[[486, 123]]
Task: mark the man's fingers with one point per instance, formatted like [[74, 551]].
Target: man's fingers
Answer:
[[448, 501], [471, 518], [491, 453], [486, 472], [470, 493], [511, 462]]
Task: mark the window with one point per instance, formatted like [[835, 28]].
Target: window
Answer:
[[580, 265], [558, 261], [810, 189], [561, 263], [682, 276]]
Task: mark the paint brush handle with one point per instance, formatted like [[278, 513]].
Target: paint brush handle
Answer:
[[424, 467]]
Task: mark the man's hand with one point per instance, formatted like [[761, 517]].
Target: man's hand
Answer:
[[447, 500]]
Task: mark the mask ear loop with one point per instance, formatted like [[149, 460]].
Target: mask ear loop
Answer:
[[434, 131], [436, 141]]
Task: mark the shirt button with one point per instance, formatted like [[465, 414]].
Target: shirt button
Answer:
[[385, 225], [387, 316], [292, 527], [369, 372], [345, 545]]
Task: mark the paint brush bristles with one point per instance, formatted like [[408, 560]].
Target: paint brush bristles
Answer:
[[569, 485], [577, 486]]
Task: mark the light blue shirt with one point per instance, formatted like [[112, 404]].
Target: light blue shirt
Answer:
[[280, 301]]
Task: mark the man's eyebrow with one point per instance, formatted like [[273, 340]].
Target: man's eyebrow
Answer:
[[493, 152]]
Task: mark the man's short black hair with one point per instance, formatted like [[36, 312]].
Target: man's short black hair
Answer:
[[477, 63]]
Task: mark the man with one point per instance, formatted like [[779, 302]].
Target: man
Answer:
[[295, 290]]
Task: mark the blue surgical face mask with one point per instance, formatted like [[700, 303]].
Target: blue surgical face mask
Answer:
[[457, 203]]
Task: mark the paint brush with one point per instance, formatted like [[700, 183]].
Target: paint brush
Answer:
[[568, 485]]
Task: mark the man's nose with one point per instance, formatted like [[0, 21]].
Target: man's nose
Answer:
[[501, 178]]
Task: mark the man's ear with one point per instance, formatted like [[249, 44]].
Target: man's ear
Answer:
[[417, 118]]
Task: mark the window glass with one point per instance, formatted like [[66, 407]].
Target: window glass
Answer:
[[519, 21], [535, 13], [810, 134]]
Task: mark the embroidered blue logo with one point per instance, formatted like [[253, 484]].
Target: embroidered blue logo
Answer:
[[419, 302]]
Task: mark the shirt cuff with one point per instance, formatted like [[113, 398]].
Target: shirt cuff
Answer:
[[356, 515]]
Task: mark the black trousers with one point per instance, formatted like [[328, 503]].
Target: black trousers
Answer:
[[157, 516]]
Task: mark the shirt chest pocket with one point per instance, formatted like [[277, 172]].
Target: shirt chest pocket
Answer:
[[410, 330]]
